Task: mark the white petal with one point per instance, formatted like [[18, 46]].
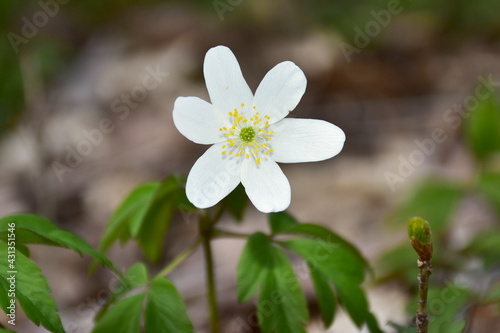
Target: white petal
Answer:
[[280, 91], [266, 185], [305, 140], [225, 83], [198, 120], [212, 177]]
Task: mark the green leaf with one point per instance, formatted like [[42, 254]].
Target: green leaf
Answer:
[[23, 249], [433, 200], [127, 218], [123, 317], [321, 233], [165, 310], [282, 306], [332, 259], [33, 229], [3, 330], [482, 129], [326, 298], [146, 214], [281, 222], [253, 266], [489, 185], [353, 299], [168, 198], [136, 276], [32, 290], [236, 202], [4, 301], [403, 329], [343, 268]]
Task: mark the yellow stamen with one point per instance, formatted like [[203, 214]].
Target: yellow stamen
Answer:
[[246, 132]]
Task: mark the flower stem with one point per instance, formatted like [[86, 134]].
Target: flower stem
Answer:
[[419, 231], [180, 258], [206, 232], [223, 233], [423, 286]]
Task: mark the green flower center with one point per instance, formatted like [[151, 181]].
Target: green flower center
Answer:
[[247, 141], [247, 134]]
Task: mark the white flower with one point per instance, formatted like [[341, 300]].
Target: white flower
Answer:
[[248, 133]]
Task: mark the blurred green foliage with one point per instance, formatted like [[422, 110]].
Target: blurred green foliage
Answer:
[[483, 128], [444, 306], [438, 201]]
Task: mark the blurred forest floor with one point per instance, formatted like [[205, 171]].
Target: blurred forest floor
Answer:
[[383, 99]]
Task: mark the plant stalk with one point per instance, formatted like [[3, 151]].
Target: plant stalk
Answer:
[[206, 228], [423, 288], [223, 233], [180, 258]]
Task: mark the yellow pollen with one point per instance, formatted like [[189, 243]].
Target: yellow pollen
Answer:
[[247, 136]]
